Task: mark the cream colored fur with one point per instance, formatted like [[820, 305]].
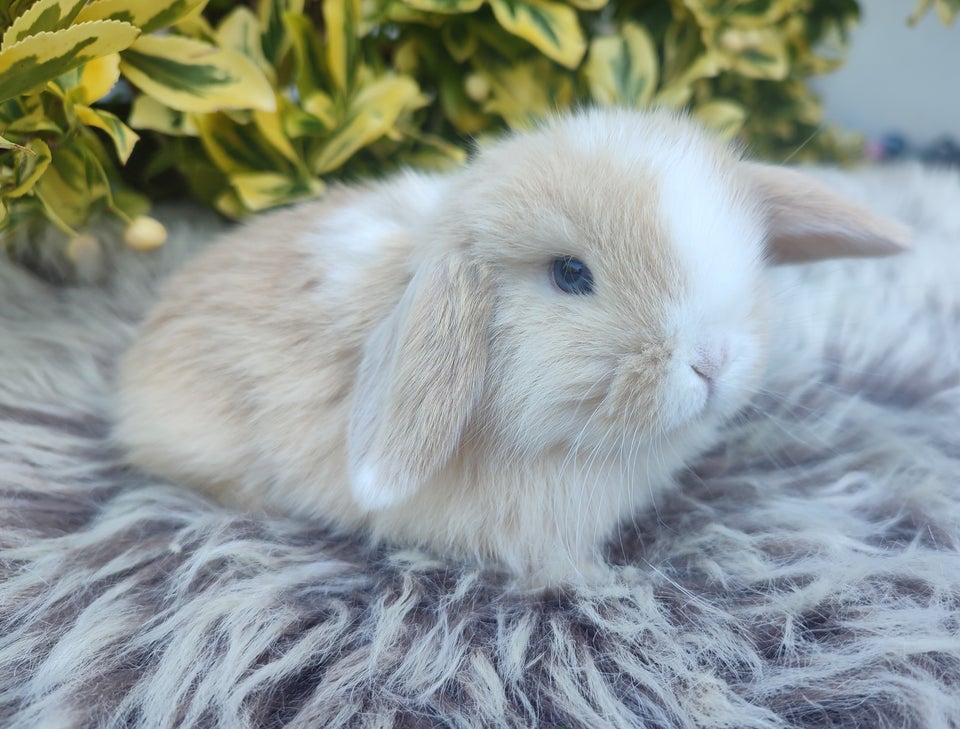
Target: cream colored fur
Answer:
[[395, 361]]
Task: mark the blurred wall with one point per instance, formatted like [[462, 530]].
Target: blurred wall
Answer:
[[897, 77]]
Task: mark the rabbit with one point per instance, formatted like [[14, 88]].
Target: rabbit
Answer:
[[499, 364]]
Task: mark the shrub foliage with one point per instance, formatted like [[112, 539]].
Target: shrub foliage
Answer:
[[107, 103]]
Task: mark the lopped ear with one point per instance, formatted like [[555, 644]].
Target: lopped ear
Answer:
[[420, 375], [807, 221]]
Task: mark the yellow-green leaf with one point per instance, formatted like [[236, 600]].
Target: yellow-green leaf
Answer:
[[148, 113], [302, 122], [39, 58], [68, 186], [271, 127], [273, 21], [235, 148], [308, 54], [947, 10], [753, 52], [320, 106], [30, 162], [922, 8], [190, 75], [726, 118], [342, 20], [459, 40], [445, 6], [623, 69], [520, 94], [4, 215], [462, 110], [122, 136], [550, 26], [228, 203], [373, 112], [262, 190], [148, 15], [742, 13], [36, 120], [240, 30], [674, 96], [42, 16], [98, 77], [589, 4]]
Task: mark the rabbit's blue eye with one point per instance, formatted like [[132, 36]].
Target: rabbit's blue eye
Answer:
[[572, 276]]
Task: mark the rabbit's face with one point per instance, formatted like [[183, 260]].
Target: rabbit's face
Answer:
[[625, 265]]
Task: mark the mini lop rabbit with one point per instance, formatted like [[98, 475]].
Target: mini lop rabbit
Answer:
[[500, 364]]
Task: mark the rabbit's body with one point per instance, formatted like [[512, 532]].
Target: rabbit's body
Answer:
[[503, 363]]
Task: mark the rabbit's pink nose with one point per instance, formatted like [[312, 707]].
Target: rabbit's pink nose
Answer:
[[710, 360]]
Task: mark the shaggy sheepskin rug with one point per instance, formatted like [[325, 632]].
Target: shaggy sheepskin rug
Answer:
[[804, 573]]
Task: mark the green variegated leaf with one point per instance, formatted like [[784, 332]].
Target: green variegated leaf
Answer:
[[438, 153], [270, 126], [742, 13], [229, 205], [726, 118], [240, 30], [43, 16], [35, 121], [13, 9], [342, 22], [623, 69], [674, 96], [682, 43], [148, 113], [148, 15], [299, 123], [236, 148], [4, 215], [459, 41], [308, 55], [30, 162], [752, 52], [52, 212], [550, 26], [520, 95], [373, 113], [97, 77], [262, 190], [273, 21], [122, 136], [947, 10], [445, 6], [190, 75], [37, 59], [68, 187], [320, 106], [923, 7], [399, 12], [589, 4]]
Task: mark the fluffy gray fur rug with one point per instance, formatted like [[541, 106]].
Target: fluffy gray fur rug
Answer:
[[805, 573]]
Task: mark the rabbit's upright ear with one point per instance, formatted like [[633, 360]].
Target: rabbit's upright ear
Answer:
[[420, 376], [807, 221]]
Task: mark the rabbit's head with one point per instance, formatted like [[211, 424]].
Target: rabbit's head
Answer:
[[593, 285]]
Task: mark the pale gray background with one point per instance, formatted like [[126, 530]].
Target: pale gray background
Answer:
[[897, 77]]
